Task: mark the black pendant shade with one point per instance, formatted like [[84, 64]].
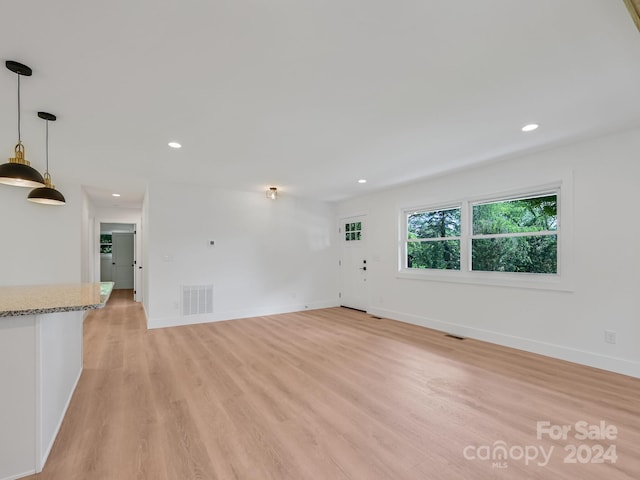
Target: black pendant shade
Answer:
[[18, 172], [20, 175], [47, 195]]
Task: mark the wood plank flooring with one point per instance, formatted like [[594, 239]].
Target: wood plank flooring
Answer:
[[328, 394]]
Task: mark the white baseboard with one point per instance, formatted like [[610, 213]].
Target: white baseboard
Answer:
[[146, 317], [47, 451], [583, 357], [19, 475], [176, 321]]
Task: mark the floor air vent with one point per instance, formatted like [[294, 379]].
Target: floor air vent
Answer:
[[457, 337], [197, 299]]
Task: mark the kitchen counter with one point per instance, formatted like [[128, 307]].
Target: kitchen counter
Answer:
[[40, 366], [41, 299]]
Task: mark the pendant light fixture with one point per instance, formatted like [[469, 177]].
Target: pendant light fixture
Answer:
[[18, 170], [47, 195], [272, 193]]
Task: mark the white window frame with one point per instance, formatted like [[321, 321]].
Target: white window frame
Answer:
[[559, 281], [555, 191], [405, 231]]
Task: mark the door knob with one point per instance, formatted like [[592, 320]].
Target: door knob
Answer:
[[363, 268]]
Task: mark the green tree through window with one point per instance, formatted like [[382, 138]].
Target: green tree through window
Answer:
[[433, 239], [516, 235]]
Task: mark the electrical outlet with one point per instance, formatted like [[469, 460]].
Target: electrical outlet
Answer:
[[609, 336]]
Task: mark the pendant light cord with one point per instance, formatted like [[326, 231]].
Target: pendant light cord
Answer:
[[46, 156], [19, 138]]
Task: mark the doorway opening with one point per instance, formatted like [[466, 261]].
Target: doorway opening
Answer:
[[118, 255]]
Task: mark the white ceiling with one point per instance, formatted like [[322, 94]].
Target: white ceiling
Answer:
[[307, 95]]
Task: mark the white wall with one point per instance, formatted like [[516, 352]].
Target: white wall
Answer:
[[117, 214], [39, 244], [145, 252], [268, 257], [86, 245], [604, 266]]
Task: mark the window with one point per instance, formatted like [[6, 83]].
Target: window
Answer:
[[515, 235], [489, 240], [105, 243], [353, 231], [433, 239]]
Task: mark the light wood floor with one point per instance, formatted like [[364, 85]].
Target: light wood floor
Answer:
[[324, 395]]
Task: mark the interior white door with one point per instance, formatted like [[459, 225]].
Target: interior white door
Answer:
[[138, 265], [123, 260], [353, 263]]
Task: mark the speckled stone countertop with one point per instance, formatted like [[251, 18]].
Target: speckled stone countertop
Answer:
[[40, 299]]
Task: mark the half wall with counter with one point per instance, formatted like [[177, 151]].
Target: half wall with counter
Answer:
[[40, 365]]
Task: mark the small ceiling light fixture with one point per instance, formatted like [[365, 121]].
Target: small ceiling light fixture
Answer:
[[530, 128], [362, 180], [174, 145], [115, 194], [272, 193], [18, 171], [47, 195]]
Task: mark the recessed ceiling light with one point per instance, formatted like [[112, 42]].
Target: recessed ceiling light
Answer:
[[115, 194], [174, 145], [530, 128], [362, 180]]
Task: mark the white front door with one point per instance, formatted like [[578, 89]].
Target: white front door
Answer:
[[123, 260], [353, 263]]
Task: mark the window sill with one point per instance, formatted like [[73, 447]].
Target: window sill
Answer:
[[494, 279]]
